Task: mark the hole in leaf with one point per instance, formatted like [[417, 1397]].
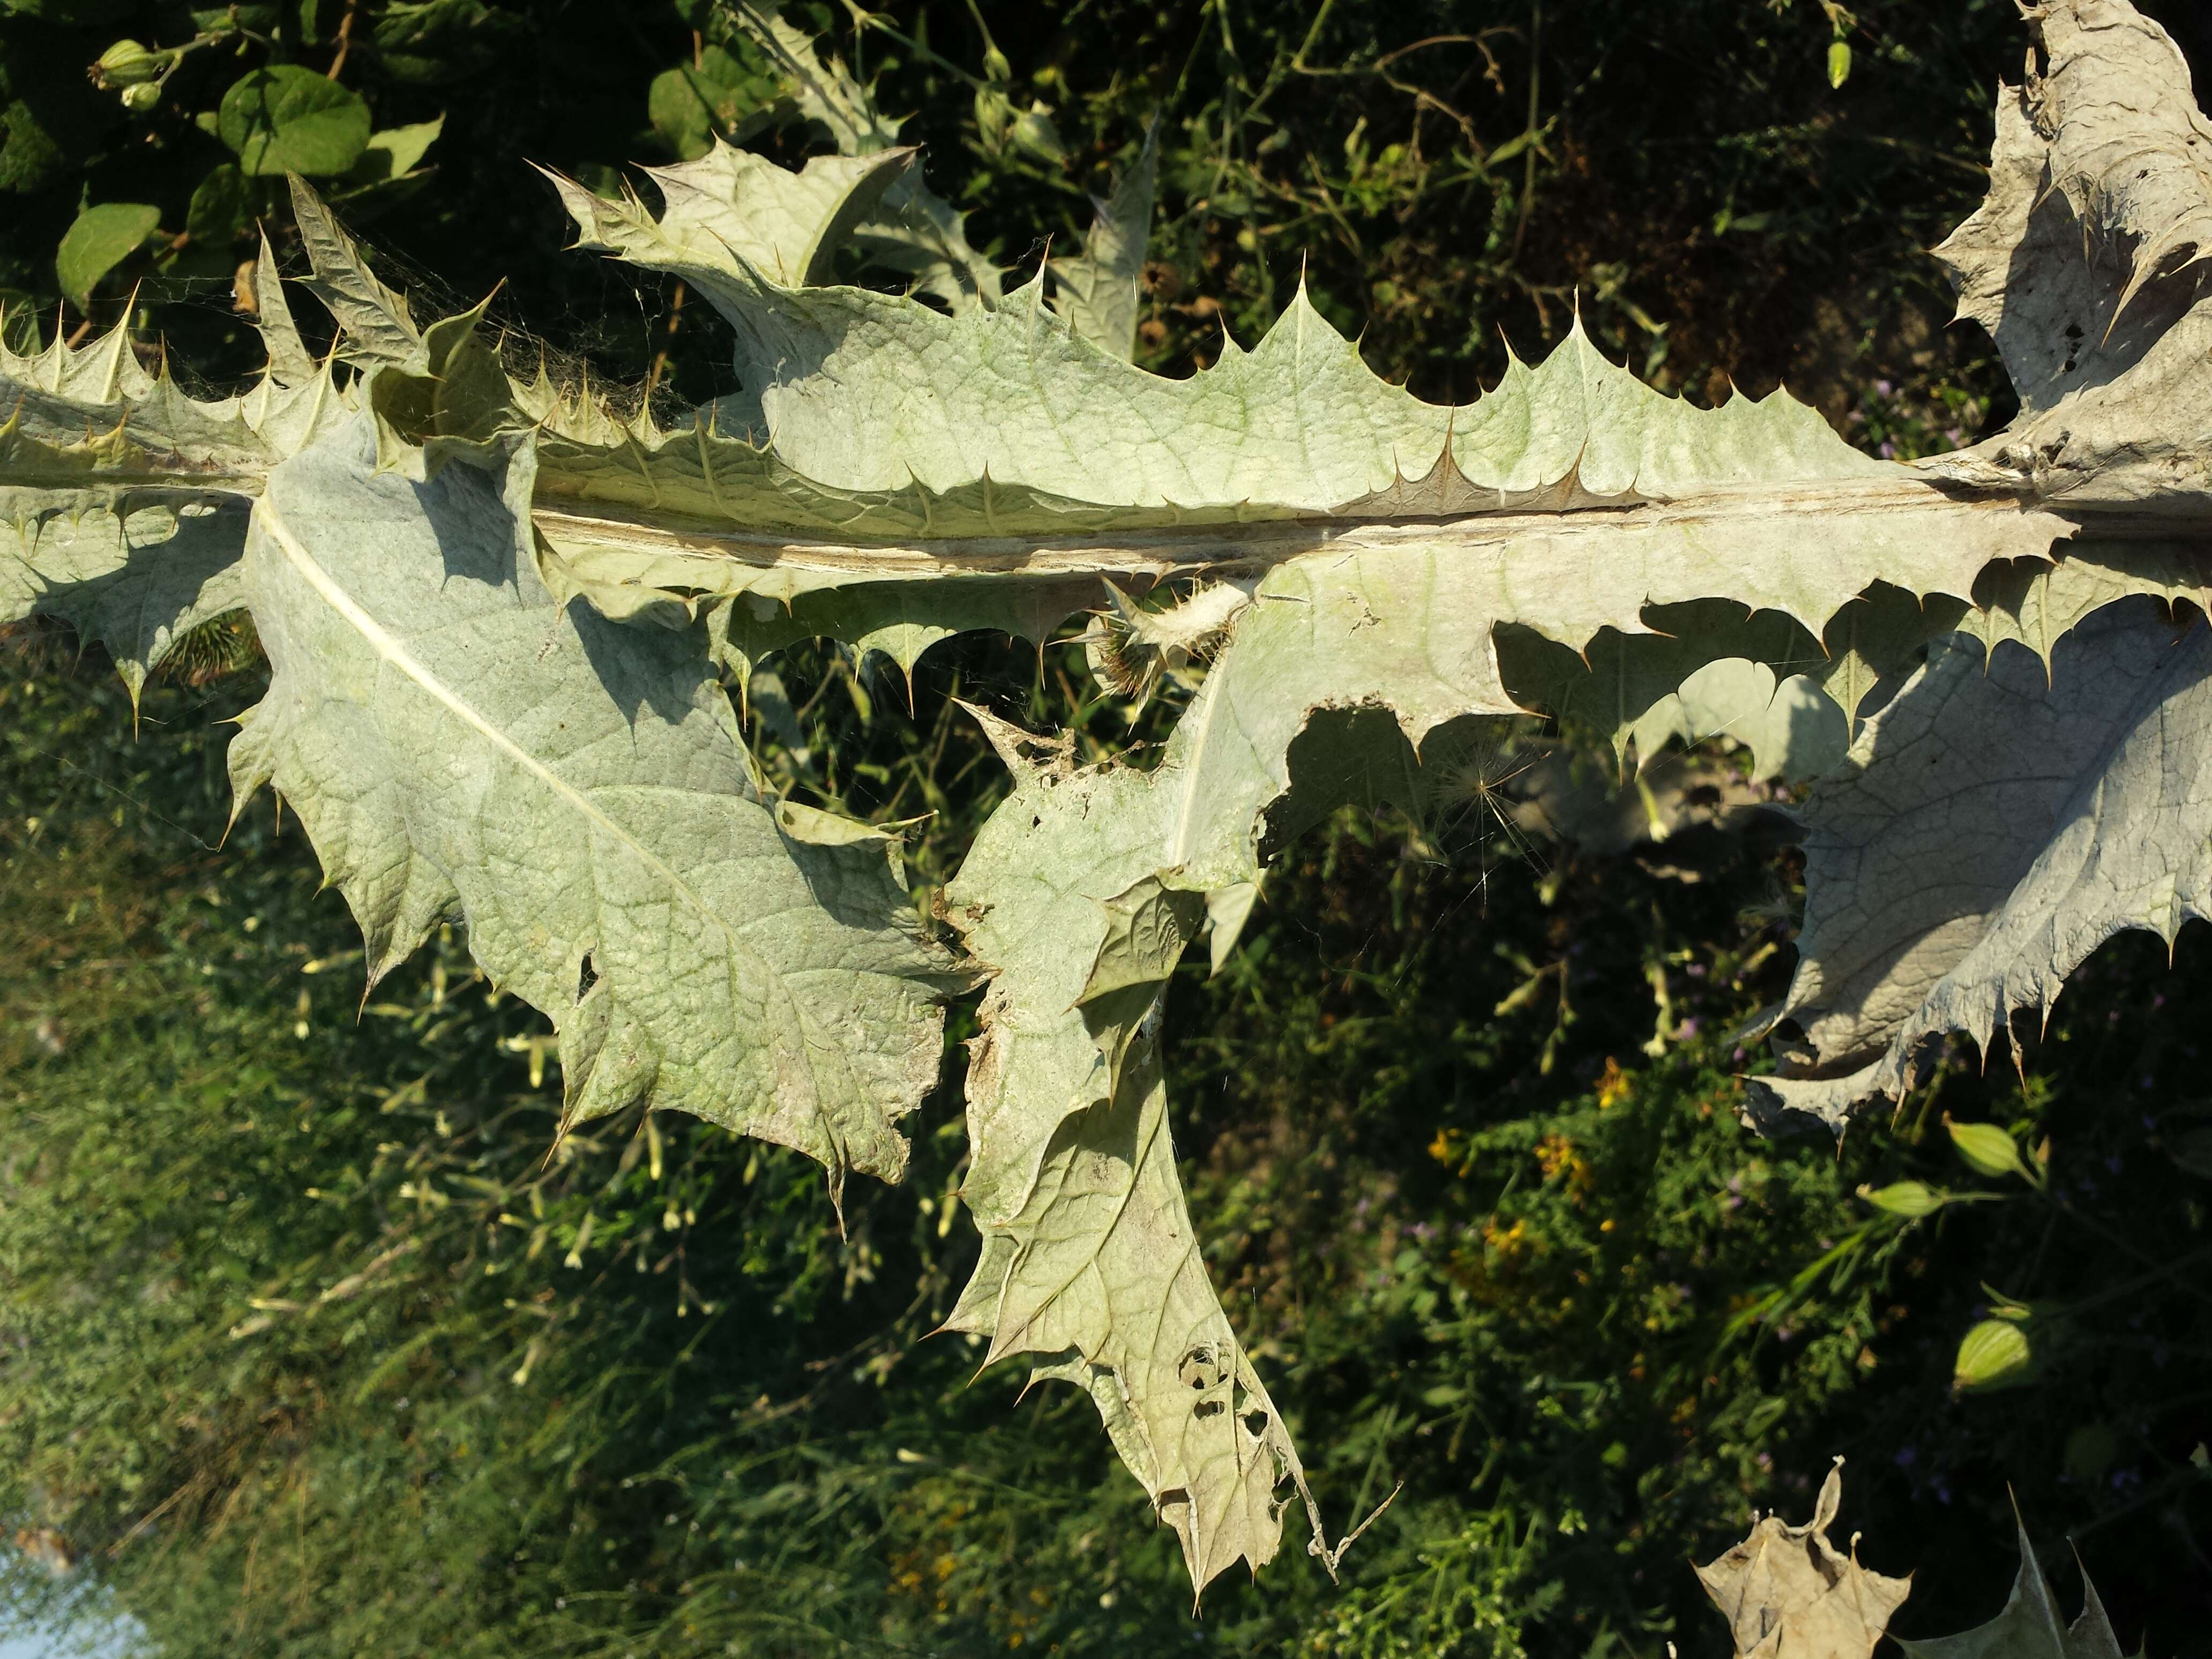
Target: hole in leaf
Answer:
[[1200, 1369], [1256, 1422], [1206, 1408], [587, 977]]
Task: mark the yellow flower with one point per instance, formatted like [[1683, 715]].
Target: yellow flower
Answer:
[[1613, 1085], [1557, 1156]]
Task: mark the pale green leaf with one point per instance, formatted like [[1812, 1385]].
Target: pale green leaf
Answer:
[[826, 93], [2101, 149], [122, 501], [1794, 730], [2038, 602], [900, 619], [136, 581]]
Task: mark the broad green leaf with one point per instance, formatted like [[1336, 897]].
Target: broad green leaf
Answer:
[[100, 239], [1096, 293], [579, 793], [285, 118], [219, 211], [692, 107], [1993, 826], [394, 153], [1787, 1589]]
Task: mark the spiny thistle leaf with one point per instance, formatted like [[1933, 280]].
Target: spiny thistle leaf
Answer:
[[733, 215], [1097, 292], [578, 792], [918, 233], [2030, 1627], [124, 502], [375, 322], [1993, 826], [1090, 1265]]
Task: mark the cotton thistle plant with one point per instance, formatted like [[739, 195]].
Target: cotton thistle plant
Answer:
[[499, 619]]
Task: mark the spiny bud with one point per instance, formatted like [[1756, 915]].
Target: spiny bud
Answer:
[[127, 64]]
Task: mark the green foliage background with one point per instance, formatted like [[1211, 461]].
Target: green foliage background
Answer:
[[307, 1347]]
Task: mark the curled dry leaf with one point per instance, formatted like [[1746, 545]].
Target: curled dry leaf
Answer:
[[1789, 1594]]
